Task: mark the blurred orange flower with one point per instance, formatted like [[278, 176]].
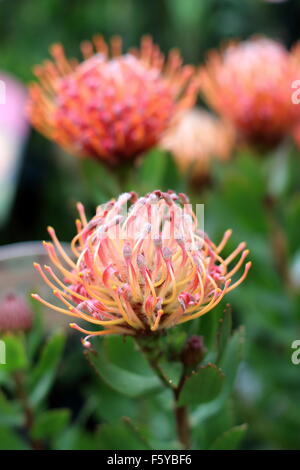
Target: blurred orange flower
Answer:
[[250, 83], [141, 270], [197, 139], [111, 106]]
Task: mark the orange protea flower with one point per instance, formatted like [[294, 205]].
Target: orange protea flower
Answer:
[[142, 271], [198, 139], [111, 107], [250, 83]]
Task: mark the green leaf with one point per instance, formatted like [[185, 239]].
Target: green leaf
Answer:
[[239, 199], [231, 359], [124, 353], [15, 354], [10, 412], [215, 421], [101, 182], [49, 423], [208, 326], [172, 370], [120, 436], [34, 336], [230, 440], [121, 380], [278, 172], [202, 386], [152, 170], [224, 330], [10, 440], [108, 405], [292, 221], [173, 179], [75, 437], [44, 373]]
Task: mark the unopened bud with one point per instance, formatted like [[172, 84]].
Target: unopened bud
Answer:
[[15, 314], [194, 351]]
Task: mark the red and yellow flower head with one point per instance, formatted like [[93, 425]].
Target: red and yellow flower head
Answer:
[[250, 83], [141, 270], [111, 106]]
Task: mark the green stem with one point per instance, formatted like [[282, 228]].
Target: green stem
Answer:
[[28, 412], [180, 412], [182, 425], [279, 245], [153, 360]]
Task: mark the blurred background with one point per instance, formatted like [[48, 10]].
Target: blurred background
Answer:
[[39, 187], [29, 28]]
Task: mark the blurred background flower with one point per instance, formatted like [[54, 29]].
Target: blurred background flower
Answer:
[[111, 107], [250, 84], [198, 139]]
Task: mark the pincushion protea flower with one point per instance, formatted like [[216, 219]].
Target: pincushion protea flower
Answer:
[[147, 270], [249, 83], [111, 107], [198, 139]]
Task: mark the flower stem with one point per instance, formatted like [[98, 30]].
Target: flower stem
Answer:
[[279, 245], [28, 412], [181, 415], [181, 412], [182, 424], [153, 361]]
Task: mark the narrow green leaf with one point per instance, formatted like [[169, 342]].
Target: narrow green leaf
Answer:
[[34, 336], [10, 412], [43, 375], [292, 222], [231, 359], [224, 330]]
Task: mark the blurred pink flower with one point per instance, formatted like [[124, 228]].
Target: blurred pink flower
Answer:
[[250, 83]]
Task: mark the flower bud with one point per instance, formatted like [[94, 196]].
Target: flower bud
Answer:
[[15, 313], [194, 351]]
